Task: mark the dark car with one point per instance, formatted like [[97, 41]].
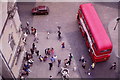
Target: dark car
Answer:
[[40, 10]]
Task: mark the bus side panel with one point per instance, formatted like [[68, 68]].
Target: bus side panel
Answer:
[[81, 30]]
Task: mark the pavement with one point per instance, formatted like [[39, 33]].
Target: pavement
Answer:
[[114, 35], [72, 37], [115, 40], [42, 68]]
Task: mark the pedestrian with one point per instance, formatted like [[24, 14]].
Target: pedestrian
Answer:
[[33, 46], [52, 59], [82, 58], [59, 62], [59, 34], [30, 56], [37, 52], [69, 62], [63, 45], [84, 64], [32, 51], [59, 27], [65, 62], [48, 51], [30, 61], [26, 65], [32, 29], [113, 66], [26, 56], [48, 33], [45, 58], [50, 77], [27, 30], [24, 38], [118, 19], [23, 72], [74, 68], [27, 23], [36, 38], [52, 51], [50, 66], [93, 66], [27, 70], [24, 41], [40, 58], [88, 72], [55, 57], [27, 27], [70, 56]]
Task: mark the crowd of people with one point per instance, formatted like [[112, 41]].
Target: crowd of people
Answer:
[[92, 66], [49, 55]]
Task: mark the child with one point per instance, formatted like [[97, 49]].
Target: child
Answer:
[[63, 45]]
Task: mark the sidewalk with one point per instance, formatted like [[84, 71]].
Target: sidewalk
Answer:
[[41, 69], [114, 35]]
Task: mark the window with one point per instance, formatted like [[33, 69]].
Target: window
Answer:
[[11, 41], [105, 50], [92, 39], [95, 47]]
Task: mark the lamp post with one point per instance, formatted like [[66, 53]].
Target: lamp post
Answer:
[[118, 19]]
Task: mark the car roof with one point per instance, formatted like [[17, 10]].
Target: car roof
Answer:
[[42, 7]]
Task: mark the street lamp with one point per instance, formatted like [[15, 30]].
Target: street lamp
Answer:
[[118, 19]]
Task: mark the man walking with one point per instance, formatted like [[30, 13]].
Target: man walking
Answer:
[[59, 34], [69, 62], [84, 64], [50, 66], [27, 23], [27, 28], [33, 46], [32, 51], [70, 58], [82, 58], [52, 59], [59, 62], [37, 52]]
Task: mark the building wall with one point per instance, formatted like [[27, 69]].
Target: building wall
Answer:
[[11, 36], [3, 14]]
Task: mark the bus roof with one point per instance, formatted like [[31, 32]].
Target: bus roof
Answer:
[[96, 28]]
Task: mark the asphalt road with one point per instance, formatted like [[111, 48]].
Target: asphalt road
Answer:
[[64, 14]]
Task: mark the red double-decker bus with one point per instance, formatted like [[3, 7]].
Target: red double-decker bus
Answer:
[[98, 43]]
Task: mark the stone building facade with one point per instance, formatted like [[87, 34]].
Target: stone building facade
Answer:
[[11, 44]]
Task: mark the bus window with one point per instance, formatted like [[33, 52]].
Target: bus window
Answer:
[[105, 50], [92, 39], [95, 47]]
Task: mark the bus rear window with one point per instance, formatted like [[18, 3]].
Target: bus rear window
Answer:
[[105, 50]]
